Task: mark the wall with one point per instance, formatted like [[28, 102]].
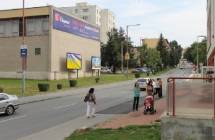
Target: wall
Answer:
[[10, 61], [64, 42], [187, 129]]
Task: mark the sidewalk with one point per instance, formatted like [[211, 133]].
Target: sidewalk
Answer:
[[136, 118]]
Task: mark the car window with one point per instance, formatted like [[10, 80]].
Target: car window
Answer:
[[142, 80], [3, 97]]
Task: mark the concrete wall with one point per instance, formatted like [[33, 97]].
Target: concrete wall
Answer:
[[187, 129], [10, 61], [62, 43]]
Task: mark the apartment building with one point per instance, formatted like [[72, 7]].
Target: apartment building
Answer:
[[153, 42], [93, 14], [210, 32]]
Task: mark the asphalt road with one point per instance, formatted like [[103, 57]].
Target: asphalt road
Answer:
[[35, 117]]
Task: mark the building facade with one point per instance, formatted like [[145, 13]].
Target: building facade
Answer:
[[210, 32], [93, 14], [153, 42], [50, 34]]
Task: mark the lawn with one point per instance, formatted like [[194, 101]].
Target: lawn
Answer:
[[147, 132], [13, 86]]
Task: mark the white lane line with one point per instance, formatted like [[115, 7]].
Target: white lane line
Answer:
[[64, 106], [14, 118]]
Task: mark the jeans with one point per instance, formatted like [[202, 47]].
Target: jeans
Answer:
[[136, 103]]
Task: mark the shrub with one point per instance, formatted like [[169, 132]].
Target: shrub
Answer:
[[137, 75], [43, 87], [59, 86], [72, 83], [97, 79]]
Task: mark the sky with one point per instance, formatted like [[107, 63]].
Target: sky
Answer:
[[180, 20]]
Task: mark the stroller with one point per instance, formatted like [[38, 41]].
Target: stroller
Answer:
[[149, 105]]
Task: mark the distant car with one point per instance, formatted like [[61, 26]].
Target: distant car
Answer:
[[142, 70], [8, 104], [106, 70], [142, 82]]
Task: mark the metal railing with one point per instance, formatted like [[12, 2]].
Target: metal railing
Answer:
[[174, 95]]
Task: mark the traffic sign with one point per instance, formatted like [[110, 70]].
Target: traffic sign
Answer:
[[23, 51]]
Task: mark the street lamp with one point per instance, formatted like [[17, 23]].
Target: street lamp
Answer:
[[197, 50], [127, 54]]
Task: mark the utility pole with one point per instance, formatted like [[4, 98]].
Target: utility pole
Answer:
[[122, 61]]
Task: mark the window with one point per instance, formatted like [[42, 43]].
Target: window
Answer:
[[37, 51], [3, 97], [85, 10], [76, 10], [45, 25], [85, 17]]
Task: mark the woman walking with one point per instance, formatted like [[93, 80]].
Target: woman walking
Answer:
[[136, 94], [91, 102]]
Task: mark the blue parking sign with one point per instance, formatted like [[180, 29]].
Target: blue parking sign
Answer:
[[23, 52]]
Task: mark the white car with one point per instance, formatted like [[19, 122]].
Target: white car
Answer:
[[8, 103], [142, 82]]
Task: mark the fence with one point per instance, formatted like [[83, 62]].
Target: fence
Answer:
[[191, 97]]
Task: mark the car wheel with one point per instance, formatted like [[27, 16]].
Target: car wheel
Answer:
[[10, 110]]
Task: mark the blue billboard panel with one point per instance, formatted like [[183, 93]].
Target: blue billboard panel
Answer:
[[96, 62], [74, 26]]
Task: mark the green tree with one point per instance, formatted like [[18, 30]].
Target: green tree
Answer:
[[153, 59], [175, 53]]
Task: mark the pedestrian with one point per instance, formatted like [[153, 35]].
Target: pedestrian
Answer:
[[136, 94], [160, 88], [90, 99], [149, 88], [155, 86]]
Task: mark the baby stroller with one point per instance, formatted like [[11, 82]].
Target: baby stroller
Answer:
[[149, 105]]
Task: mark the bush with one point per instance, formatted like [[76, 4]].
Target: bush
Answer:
[[59, 86], [137, 75], [72, 83], [43, 87], [97, 79], [1, 90]]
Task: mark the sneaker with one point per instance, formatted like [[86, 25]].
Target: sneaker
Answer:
[[88, 117]]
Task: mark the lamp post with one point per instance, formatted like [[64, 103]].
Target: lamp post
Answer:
[[197, 51], [127, 53]]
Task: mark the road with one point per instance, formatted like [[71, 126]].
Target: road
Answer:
[[35, 117]]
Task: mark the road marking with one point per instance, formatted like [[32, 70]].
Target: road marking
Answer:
[[14, 118], [64, 106]]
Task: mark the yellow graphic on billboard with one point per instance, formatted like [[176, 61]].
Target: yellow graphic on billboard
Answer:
[[73, 61]]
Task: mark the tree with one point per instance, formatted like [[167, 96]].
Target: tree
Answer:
[[175, 53], [163, 51], [153, 59], [191, 52]]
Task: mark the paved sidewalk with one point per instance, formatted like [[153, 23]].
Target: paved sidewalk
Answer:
[[136, 118]]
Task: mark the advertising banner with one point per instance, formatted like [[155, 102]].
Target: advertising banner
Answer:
[[74, 26], [73, 61], [96, 62]]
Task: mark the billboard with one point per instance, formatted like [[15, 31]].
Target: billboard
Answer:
[[74, 26], [73, 61], [96, 62]]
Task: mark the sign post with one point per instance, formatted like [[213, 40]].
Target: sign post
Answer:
[[23, 55]]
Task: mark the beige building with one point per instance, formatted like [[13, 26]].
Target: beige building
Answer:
[[153, 42], [211, 32], [49, 35], [93, 14]]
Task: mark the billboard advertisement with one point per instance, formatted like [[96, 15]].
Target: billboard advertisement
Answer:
[[96, 62], [74, 26], [73, 61]]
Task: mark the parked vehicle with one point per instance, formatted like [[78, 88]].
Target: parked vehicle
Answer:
[[142, 82], [8, 104], [141, 70], [106, 70]]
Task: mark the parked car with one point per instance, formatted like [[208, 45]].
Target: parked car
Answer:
[[8, 104], [106, 70], [142, 82], [142, 70]]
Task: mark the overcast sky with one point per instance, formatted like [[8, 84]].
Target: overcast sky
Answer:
[[181, 20]]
